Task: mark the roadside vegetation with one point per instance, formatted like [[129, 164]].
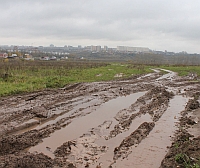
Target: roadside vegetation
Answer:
[[183, 70], [17, 76], [186, 161], [184, 152]]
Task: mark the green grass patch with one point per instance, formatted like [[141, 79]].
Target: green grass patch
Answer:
[[17, 76], [183, 70], [186, 161]]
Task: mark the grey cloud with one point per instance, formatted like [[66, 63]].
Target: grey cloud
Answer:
[[116, 21]]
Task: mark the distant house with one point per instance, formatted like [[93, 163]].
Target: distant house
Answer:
[[63, 58], [3, 55], [53, 58], [28, 57], [44, 58], [14, 55]]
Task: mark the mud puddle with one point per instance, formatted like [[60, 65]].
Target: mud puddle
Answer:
[[107, 158], [82, 124], [92, 125], [149, 75], [156, 143], [170, 75], [58, 114], [75, 108]]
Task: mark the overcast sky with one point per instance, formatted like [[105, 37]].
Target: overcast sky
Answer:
[[172, 25]]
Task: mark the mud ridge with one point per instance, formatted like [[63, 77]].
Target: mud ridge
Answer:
[[26, 160], [184, 152], [48, 121], [158, 99], [135, 138], [12, 143], [185, 149]]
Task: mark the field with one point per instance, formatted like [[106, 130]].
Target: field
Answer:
[[94, 114], [26, 76], [184, 70]]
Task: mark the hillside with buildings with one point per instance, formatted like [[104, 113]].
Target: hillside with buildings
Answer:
[[140, 55]]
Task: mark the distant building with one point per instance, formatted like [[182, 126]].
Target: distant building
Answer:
[[132, 49], [105, 48], [14, 55], [88, 48], [98, 48], [28, 57], [53, 58], [121, 48], [44, 58], [63, 58], [70, 47], [3, 55], [95, 48], [15, 48]]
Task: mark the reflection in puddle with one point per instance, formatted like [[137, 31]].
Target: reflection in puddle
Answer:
[[81, 125]]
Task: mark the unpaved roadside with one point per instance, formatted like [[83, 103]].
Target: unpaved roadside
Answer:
[[107, 124], [185, 149]]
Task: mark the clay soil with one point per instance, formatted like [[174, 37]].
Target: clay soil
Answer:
[[147, 121]]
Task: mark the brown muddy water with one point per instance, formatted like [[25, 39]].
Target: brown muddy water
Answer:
[[95, 124], [81, 125], [150, 152], [107, 158], [141, 155]]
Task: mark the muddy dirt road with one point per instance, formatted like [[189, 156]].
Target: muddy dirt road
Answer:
[[122, 123]]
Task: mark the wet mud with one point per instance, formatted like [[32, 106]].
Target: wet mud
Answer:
[[185, 149], [122, 123], [135, 138]]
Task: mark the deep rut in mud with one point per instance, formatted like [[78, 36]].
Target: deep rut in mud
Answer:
[[123, 123]]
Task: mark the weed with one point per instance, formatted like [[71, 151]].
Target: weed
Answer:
[[176, 145], [186, 161], [179, 158]]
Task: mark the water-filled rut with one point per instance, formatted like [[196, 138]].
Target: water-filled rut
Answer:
[[150, 152], [121, 123], [81, 125]]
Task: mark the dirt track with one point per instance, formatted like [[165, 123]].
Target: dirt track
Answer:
[[122, 123]]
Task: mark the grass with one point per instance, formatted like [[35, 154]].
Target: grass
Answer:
[[185, 155], [26, 76], [183, 159], [17, 76], [184, 70]]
